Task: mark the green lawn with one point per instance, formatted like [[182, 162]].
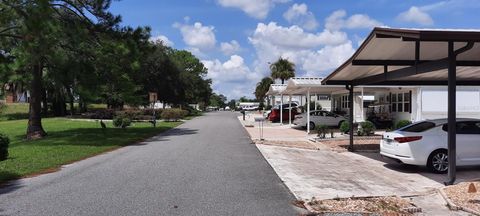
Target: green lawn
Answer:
[[14, 111], [67, 141]]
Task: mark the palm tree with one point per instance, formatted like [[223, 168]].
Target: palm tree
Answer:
[[282, 69], [262, 88]]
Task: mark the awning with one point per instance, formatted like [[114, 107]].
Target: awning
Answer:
[[276, 89], [413, 56], [300, 86]]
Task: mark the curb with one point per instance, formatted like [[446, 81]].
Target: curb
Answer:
[[452, 206]]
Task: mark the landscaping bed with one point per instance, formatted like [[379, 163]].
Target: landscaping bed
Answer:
[[391, 205], [459, 196], [361, 143], [290, 144], [67, 141]]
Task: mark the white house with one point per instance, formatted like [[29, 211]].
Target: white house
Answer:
[[383, 104]]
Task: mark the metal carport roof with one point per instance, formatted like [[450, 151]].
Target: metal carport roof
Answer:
[[276, 89], [412, 56], [415, 57]]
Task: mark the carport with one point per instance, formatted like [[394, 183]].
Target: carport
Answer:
[[308, 86], [277, 90], [403, 57]]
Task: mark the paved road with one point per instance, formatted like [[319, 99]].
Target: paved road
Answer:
[[207, 166]]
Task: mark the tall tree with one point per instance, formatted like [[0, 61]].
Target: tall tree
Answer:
[[282, 69], [31, 29], [197, 88], [262, 88]]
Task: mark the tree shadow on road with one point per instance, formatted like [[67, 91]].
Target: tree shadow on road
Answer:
[[170, 133], [9, 186]]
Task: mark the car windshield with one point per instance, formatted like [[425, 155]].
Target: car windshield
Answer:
[[418, 127]]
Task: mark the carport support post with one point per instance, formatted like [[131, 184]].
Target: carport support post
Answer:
[[290, 110], [350, 117], [452, 133], [281, 109], [308, 111]]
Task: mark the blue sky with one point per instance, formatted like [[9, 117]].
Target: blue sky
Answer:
[[236, 39]]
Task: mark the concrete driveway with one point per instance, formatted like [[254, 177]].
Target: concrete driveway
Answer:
[[207, 166], [325, 174]]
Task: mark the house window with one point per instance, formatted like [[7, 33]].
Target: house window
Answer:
[[323, 97], [406, 102], [394, 102], [401, 102], [344, 101]]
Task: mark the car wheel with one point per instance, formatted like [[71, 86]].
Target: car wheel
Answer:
[[312, 126], [438, 161]]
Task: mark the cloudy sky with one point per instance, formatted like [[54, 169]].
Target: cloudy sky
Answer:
[[236, 39]]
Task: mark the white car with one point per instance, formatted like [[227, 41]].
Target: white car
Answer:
[[319, 117], [425, 144]]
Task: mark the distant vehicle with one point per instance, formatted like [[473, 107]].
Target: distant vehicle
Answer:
[[285, 106], [250, 108], [274, 114], [320, 117], [425, 144]]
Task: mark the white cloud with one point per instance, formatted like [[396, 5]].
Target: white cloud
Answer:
[[232, 70], [326, 59], [229, 48], [162, 38], [298, 14], [197, 35], [417, 15], [314, 54], [233, 77], [337, 20], [255, 8], [294, 37]]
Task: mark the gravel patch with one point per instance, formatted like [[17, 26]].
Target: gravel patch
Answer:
[[460, 196], [390, 205], [290, 144], [371, 143]]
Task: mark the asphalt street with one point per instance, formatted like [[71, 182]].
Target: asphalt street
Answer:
[[206, 166]]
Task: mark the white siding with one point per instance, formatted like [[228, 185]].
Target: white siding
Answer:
[[434, 102]]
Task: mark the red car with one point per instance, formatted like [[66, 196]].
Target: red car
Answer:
[[274, 115]]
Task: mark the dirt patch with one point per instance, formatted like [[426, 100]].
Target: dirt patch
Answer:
[[371, 143], [391, 205], [290, 144], [459, 195]]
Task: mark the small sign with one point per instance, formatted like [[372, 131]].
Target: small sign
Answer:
[[152, 97]]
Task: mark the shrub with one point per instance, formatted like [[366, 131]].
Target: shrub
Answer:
[[122, 121], [345, 127], [402, 123], [367, 128], [101, 114], [4, 141], [149, 112], [173, 114], [269, 107], [322, 130]]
